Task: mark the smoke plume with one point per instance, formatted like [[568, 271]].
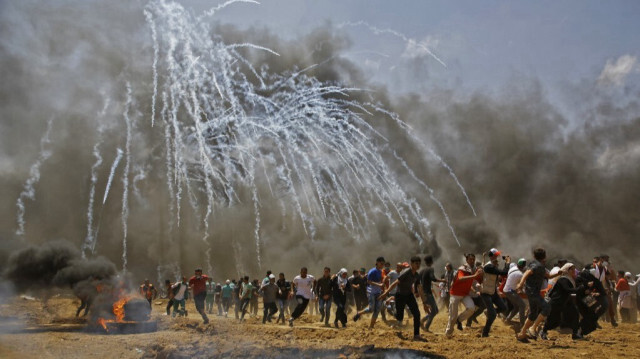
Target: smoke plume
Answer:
[[535, 174]]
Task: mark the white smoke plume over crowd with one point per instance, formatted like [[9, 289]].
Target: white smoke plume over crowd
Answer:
[[535, 175]]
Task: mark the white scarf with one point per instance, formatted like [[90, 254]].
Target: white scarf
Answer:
[[342, 282], [565, 273]]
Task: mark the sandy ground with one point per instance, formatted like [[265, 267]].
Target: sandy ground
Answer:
[[27, 330]]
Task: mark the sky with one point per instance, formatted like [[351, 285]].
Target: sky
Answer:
[[483, 44], [533, 105]]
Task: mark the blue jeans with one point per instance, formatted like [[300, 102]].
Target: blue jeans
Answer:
[[434, 310], [374, 305], [325, 308]]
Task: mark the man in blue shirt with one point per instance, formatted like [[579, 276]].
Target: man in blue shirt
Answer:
[[374, 289]]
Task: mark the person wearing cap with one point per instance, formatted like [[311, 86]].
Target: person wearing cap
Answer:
[[510, 290], [227, 294], [460, 288], [488, 292], [269, 293], [374, 289]]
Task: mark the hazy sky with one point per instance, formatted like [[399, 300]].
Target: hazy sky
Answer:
[[482, 43]]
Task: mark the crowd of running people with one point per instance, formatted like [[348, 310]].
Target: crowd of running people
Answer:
[[527, 295]]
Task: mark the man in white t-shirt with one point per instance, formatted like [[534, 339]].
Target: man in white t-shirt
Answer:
[[302, 289], [180, 290]]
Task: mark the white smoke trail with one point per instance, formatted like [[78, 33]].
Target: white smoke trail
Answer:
[[112, 172], [90, 239], [34, 177], [154, 38], [395, 33], [125, 179]]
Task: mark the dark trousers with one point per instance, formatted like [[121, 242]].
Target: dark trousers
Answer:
[[480, 307], [434, 309], [559, 313], [410, 301], [361, 301], [269, 310], [340, 310], [589, 321], [302, 305], [226, 302], [84, 304], [243, 307], [169, 305], [489, 301], [198, 299]]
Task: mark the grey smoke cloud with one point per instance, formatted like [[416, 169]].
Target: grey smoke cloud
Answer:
[[531, 182]]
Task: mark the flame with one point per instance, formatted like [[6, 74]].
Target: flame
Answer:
[[118, 310]]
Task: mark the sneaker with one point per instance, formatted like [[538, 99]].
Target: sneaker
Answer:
[[356, 317], [543, 335]]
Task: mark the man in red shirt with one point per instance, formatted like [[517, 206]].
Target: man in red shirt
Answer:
[[460, 293], [198, 284]]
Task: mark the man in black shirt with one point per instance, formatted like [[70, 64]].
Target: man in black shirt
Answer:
[[532, 282], [323, 287], [488, 293], [407, 281], [427, 277], [282, 297]]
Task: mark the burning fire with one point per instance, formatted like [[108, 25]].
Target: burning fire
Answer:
[[118, 310]]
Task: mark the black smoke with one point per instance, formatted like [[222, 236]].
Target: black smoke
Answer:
[[56, 263], [536, 174]]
